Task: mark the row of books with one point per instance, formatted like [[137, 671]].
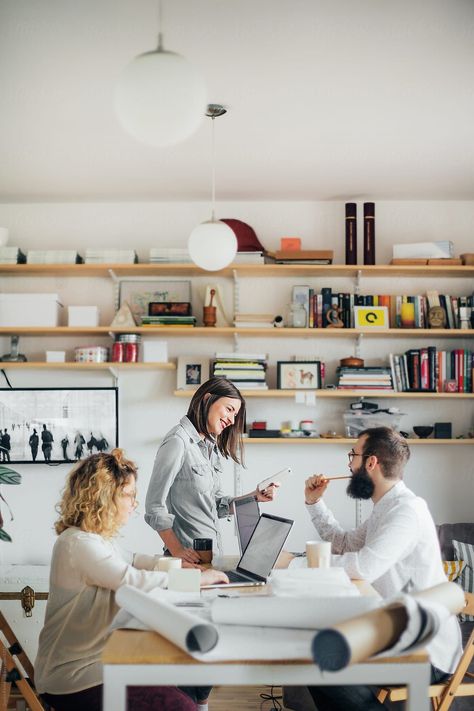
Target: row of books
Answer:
[[246, 370], [368, 378], [174, 320], [300, 256], [430, 370], [457, 309], [179, 255], [111, 256]]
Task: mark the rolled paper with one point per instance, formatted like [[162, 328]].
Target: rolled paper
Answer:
[[359, 639], [166, 563], [187, 631]]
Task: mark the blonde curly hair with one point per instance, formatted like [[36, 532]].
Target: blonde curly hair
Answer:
[[89, 499]]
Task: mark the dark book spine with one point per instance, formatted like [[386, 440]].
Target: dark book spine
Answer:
[[369, 233], [351, 233]]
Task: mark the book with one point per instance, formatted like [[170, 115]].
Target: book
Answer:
[[369, 233], [351, 233], [53, 256]]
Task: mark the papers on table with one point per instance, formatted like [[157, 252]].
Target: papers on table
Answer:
[[312, 582]]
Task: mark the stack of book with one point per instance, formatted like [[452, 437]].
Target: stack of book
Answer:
[[175, 320], [12, 255], [249, 258], [369, 378], [53, 256], [169, 255], [111, 256], [245, 370], [301, 256], [253, 320]]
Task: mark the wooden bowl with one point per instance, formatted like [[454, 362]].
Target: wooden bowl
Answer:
[[352, 362]]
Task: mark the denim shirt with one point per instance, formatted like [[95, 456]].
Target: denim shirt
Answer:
[[185, 487]]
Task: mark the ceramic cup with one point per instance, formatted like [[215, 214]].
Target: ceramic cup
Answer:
[[318, 554], [167, 563]]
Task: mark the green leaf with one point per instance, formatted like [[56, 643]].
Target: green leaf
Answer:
[[8, 476], [4, 536]]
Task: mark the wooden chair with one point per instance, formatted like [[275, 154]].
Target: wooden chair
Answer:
[[14, 664], [443, 695]]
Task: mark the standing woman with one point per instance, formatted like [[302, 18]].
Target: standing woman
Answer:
[[87, 567], [185, 499]]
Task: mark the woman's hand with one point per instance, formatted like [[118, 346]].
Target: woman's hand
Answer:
[[267, 494], [314, 488], [189, 556], [211, 577]]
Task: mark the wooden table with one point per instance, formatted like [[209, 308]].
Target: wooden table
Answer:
[[137, 658]]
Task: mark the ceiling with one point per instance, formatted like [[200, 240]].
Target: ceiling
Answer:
[[327, 99]]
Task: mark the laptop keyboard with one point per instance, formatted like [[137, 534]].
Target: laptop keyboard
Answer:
[[236, 577]]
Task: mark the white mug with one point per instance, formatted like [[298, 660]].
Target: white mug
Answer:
[[318, 554], [167, 563]]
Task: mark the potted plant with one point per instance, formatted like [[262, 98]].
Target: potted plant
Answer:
[[7, 476]]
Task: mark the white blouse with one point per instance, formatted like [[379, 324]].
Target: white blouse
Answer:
[[86, 570]]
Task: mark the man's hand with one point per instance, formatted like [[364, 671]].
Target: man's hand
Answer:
[[211, 577], [189, 556], [314, 488], [267, 494]]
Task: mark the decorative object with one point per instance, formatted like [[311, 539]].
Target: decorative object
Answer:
[[298, 375], [333, 317], [373, 317], [14, 356], [213, 245], [193, 371], [278, 321], [209, 316], [436, 317], [91, 354], [352, 362], [138, 294], [423, 431], [298, 315], [443, 430], [369, 233], [54, 425], [123, 318], [160, 97], [351, 233], [407, 314]]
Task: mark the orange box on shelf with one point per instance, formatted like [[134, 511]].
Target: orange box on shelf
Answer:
[[290, 243]]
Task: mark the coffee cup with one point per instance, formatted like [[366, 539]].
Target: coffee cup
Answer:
[[318, 554], [167, 563], [203, 546]]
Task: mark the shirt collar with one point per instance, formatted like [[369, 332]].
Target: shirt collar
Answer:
[[190, 430], [393, 493]]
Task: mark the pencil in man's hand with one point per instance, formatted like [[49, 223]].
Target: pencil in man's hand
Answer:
[[333, 478]]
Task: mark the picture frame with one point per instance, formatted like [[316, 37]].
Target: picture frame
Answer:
[[56, 425], [373, 317], [192, 371], [138, 294], [298, 375]]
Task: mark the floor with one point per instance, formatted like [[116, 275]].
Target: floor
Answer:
[[235, 698]]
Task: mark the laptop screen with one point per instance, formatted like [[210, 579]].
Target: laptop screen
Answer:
[[265, 545], [246, 513]]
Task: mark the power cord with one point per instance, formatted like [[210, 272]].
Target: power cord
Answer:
[[277, 706]]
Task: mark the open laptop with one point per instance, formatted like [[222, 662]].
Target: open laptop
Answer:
[[247, 515], [261, 552]]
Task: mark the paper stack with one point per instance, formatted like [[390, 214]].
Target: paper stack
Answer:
[[111, 256], [53, 256], [11, 255]]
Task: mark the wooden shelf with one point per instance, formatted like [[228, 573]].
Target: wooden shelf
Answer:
[[231, 331], [345, 440], [256, 270], [341, 394], [30, 365]]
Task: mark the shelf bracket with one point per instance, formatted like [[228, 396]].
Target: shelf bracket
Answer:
[[357, 282], [115, 375], [236, 342], [236, 278], [116, 283], [358, 345]]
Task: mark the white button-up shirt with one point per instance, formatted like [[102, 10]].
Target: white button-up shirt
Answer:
[[396, 549]]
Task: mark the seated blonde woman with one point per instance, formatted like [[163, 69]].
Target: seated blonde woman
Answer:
[[87, 567]]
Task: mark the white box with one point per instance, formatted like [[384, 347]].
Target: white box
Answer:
[[423, 250], [83, 316], [154, 351], [31, 310], [55, 356]]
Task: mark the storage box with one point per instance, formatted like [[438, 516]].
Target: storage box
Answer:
[[31, 310], [55, 356], [83, 316], [154, 350], [425, 250], [356, 421]]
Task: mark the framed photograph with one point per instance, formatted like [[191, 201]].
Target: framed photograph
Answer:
[[56, 425], [193, 371], [139, 294], [298, 375], [371, 317]]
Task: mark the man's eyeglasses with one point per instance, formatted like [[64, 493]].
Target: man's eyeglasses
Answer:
[[353, 454]]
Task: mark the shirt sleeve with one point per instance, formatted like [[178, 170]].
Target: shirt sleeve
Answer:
[[330, 530], [103, 565], [168, 462]]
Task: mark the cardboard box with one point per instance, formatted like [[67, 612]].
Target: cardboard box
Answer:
[[79, 316], [30, 310], [154, 350]]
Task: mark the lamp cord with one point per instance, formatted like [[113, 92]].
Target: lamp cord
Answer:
[[213, 158]]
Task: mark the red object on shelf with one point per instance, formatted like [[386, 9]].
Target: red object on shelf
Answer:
[[259, 425], [117, 352], [290, 243]]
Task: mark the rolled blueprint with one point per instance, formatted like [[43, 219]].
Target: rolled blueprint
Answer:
[[407, 622], [189, 632], [298, 613]]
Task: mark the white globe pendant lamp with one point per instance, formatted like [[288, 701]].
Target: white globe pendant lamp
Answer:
[[212, 245], [160, 98]]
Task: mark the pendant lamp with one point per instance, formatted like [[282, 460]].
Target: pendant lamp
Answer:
[[212, 245], [160, 98]]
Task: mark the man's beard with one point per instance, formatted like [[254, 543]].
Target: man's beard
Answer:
[[361, 485]]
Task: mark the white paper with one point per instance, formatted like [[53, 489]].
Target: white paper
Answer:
[[312, 582], [188, 631], [298, 613]]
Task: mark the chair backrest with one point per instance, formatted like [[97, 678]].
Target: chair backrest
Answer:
[[447, 532]]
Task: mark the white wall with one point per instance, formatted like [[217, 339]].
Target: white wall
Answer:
[[443, 475]]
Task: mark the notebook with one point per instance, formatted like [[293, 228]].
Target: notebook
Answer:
[[261, 553], [247, 514]]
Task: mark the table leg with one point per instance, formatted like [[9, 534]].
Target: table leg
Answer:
[[115, 689]]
